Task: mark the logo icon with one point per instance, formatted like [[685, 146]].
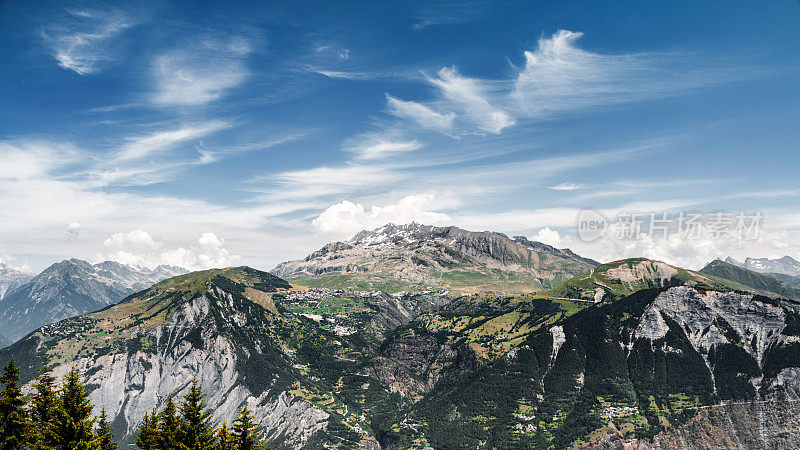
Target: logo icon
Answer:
[[591, 225]]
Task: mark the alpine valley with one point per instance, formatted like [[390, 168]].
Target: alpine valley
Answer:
[[413, 336]]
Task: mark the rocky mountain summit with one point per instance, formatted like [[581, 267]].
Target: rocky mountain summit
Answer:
[[413, 256], [10, 279], [786, 265], [70, 288]]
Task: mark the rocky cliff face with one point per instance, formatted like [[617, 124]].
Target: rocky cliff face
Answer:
[[609, 375], [413, 256], [71, 288]]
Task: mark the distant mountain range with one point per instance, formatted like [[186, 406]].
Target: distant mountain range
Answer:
[[786, 265], [11, 279], [413, 256], [71, 288], [750, 280], [322, 368], [481, 341]]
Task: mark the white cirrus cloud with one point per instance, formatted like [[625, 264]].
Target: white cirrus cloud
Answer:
[[464, 102], [201, 72], [146, 145], [347, 218], [85, 41], [338, 74], [139, 248], [326, 181], [375, 146], [471, 98], [33, 159], [566, 187], [558, 76], [421, 114]]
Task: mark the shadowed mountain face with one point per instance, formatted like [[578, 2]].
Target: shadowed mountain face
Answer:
[[788, 280], [786, 265], [413, 256], [71, 288], [765, 284]]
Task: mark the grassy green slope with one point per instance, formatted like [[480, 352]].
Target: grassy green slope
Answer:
[[621, 278], [750, 280]]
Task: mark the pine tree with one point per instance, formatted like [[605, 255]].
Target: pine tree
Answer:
[[224, 438], [43, 406], [168, 427], [244, 431], [147, 437], [105, 437], [195, 431], [74, 423], [13, 416]]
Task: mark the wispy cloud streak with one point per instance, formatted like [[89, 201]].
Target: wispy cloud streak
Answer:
[[85, 41]]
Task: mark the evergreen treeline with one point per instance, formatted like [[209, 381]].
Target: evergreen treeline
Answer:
[[59, 417], [187, 427]]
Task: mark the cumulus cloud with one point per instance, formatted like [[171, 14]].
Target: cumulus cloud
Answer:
[[691, 250], [138, 248], [548, 236], [85, 40], [200, 73], [347, 218], [74, 229]]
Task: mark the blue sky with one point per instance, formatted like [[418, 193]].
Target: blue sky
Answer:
[[251, 133]]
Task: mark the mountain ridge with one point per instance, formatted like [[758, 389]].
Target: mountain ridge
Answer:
[[11, 279], [761, 283], [785, 265], [413, 256], [322, 367], [616, 279], [70, 288]]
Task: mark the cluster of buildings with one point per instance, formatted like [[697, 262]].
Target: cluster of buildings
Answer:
[[415, 293], [317, 294], [619, 411]]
